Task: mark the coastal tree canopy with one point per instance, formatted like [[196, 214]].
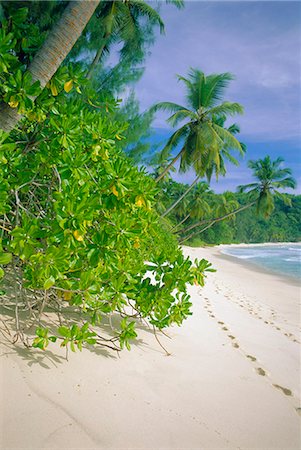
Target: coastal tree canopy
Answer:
[[80, 235]]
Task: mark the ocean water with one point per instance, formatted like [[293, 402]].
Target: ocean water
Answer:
[[284, 259]]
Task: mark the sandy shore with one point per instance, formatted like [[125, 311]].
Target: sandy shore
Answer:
[[232, 380]]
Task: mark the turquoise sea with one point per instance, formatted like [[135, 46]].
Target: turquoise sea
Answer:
[[284, 259]]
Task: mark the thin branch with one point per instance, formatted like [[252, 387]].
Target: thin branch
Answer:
[[161, 345]]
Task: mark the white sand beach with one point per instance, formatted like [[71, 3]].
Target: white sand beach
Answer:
[[232, 380]]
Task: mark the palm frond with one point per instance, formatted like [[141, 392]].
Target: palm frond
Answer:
[[177, 3], [166, 106], [265, 204], [142, 9], [286, 200], [214, 88], [226, 109], [288, 182], [227, 155], [195, 94], [233, 129], [180, 115], [175, 139], [247, 188], [229, 141]]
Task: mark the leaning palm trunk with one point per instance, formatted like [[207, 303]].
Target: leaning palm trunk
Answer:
[[167, 169], [97, 58], [181, 197], [196, 232], [181, 223], [53, 52], [213, 221]]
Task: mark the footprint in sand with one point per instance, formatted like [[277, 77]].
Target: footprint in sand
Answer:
[[225, 328], [235, 345], [252, 358], [284, 390], [230, 336], [221, 323], [260, 371]]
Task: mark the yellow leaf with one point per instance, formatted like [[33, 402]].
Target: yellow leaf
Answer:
[[105, 155], [118, 137], [67, 296], [114, 191], [139, 201], [68, 85], [96, 148], [53, 89], [87, 223], [13, 103], [78, 236]]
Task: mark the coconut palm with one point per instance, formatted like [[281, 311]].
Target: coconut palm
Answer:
[[202, 137], [270, 177], [225, 154], [225, 204], [197, 204]]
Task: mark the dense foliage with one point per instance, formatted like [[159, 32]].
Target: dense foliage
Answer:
[[202, 205], [80, 235], [85, 250]]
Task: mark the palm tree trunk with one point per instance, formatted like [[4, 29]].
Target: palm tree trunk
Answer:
[[180, 223], [53, 52], [96, 59], [167, 169], [213, 221], [182, 196], [101, 48], [196, 232]]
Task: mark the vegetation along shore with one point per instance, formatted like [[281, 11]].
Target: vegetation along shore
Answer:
[[102, 250]]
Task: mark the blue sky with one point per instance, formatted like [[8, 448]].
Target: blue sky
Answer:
[[260, 43]]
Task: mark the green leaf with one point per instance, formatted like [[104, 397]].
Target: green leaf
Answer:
[[64, 331], [49, 282], [5, 258], [72, 346]]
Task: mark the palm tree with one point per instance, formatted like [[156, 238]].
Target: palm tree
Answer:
[[56, 47], [225, 154], [121, 22], [202, 136], [197, 205], [270, 177]]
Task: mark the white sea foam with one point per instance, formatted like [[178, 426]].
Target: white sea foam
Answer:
[[283, 259]]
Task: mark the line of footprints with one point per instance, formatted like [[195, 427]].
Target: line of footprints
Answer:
[[259, 370], [258, 312]]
